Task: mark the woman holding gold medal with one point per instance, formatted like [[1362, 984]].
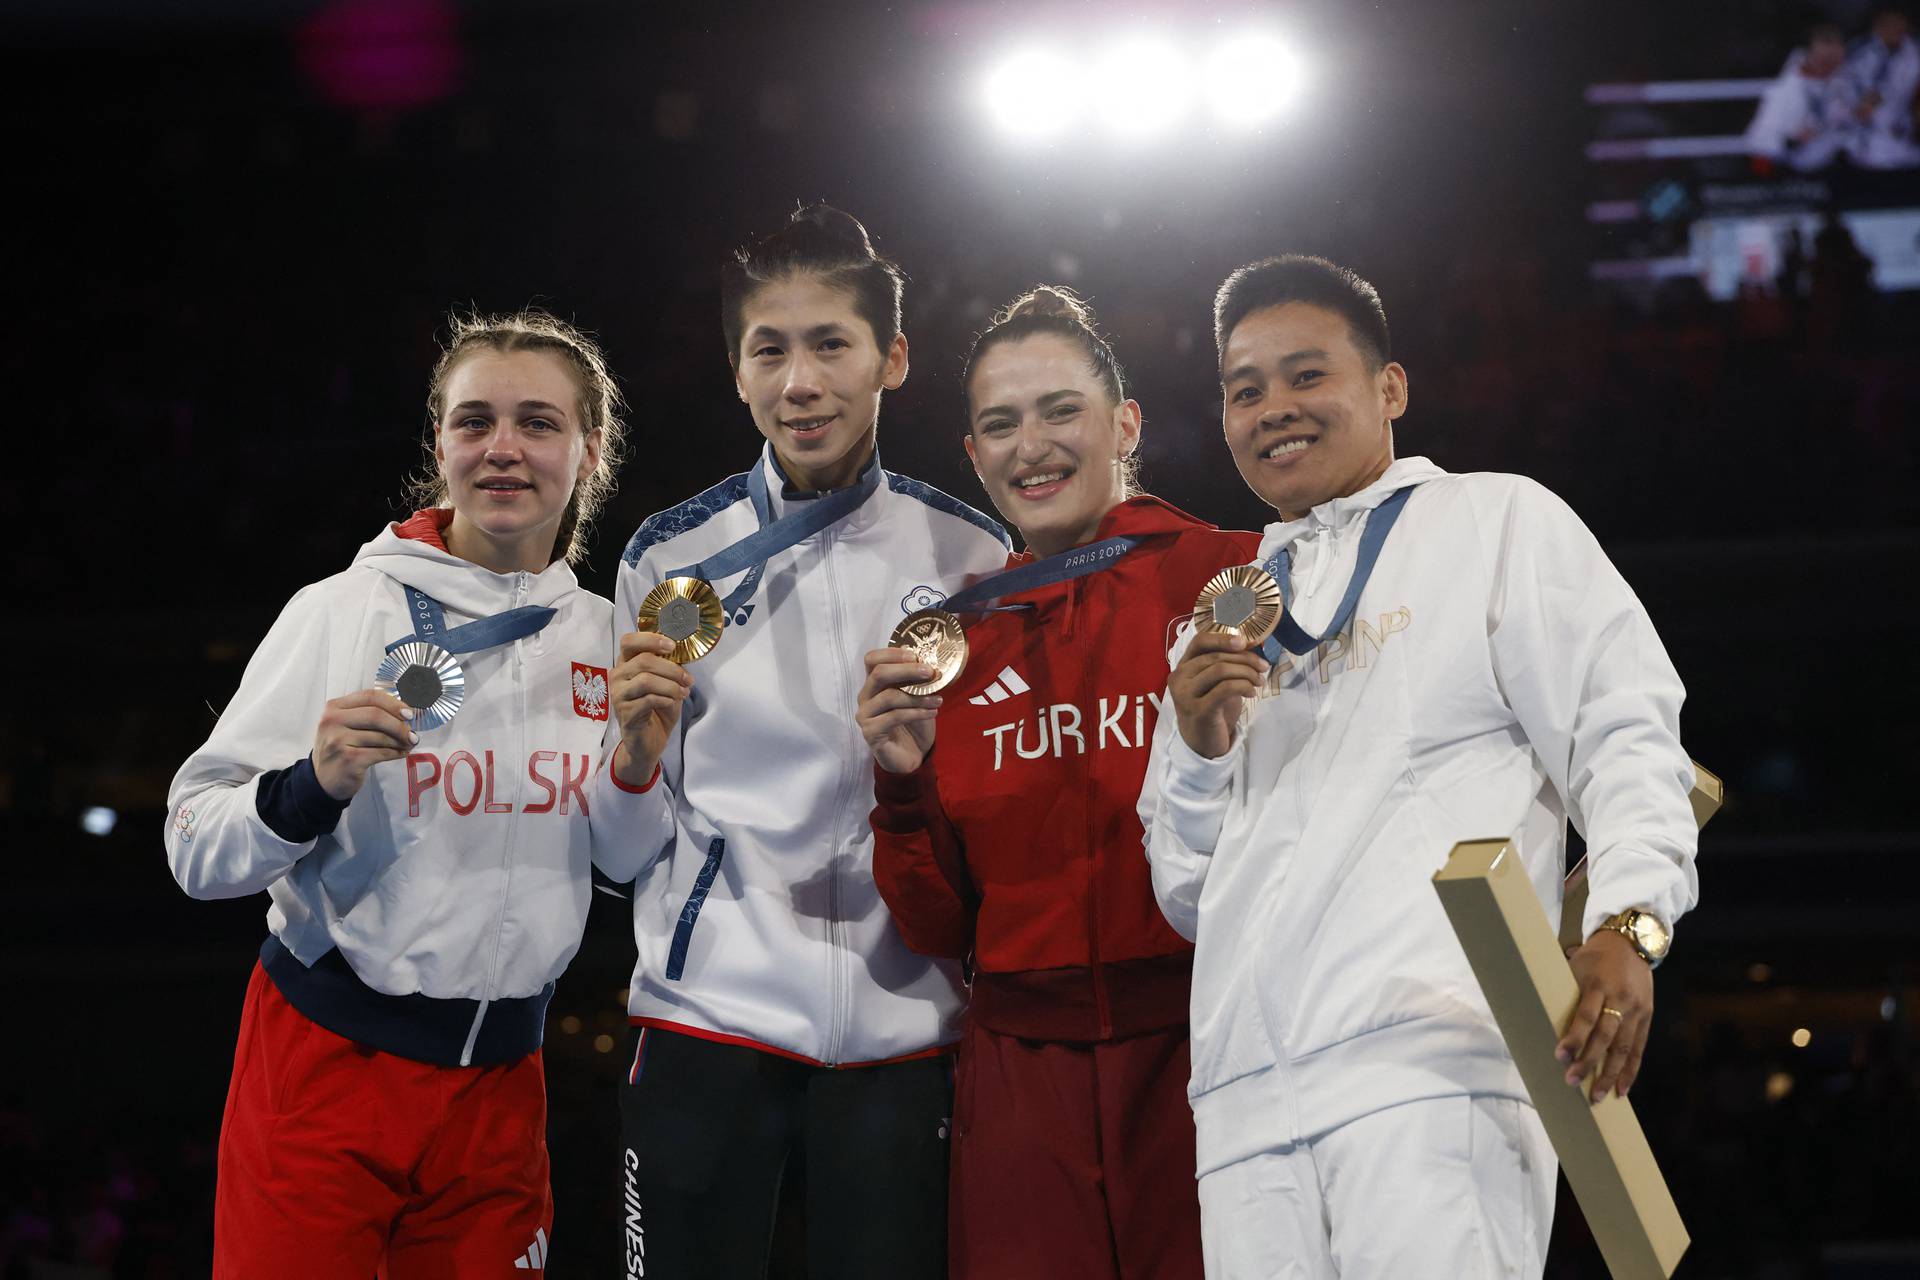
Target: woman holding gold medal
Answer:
[[1016, 843], [388, 1104], [781, 1027]]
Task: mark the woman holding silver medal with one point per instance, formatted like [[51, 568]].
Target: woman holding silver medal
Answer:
[[782, 1030], [1016, 842], [404, 770]]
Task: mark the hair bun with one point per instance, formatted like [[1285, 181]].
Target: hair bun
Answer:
[[1050, 301], [835, 224]]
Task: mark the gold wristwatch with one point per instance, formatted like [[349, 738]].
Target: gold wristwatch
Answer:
[[1647, 932]]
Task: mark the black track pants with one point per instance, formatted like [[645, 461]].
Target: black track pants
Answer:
[[709, 1131]]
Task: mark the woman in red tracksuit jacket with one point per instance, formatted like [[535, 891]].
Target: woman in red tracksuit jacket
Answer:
[[1016, 843]]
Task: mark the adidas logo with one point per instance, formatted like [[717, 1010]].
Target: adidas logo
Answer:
[[1004, 686], [536, 1256]]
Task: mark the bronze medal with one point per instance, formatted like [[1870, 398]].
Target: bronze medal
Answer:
[[686, 611], [936, 638], [1243, 600]]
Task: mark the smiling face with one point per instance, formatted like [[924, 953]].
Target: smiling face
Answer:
[[1047, 440], [811, 372], [1307, 417], [511, 446]]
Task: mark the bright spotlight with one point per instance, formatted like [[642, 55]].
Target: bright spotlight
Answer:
[[1250, 80], [98, 820], [1035, 94], [1143, 87]]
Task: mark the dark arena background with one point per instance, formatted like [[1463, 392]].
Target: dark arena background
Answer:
[[240, 224]]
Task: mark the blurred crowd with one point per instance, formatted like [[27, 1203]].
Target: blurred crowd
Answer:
[[1841, 101]]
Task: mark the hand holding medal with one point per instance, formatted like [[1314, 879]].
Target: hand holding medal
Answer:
[[899, 701], [1222, 668], [678, 622], [356, 732]]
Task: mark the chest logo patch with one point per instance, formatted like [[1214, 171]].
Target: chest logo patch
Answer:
[[589, 691], [922, 598]]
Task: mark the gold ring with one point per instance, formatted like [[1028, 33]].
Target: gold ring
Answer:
[[1615, 1012]]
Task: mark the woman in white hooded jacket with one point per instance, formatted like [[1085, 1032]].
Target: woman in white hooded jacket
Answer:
[[1481, 670], [428, 877]]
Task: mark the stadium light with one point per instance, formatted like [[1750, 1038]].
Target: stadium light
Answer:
[[1250, 80], [1143, 87], [1036, 94], [98, 820]]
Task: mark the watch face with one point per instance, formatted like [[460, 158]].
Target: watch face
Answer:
[[1651, 934]]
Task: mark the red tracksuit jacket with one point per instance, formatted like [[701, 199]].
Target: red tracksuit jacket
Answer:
[[1017, 840]]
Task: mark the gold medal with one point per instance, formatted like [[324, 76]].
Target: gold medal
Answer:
[[936, 639], [686, 611], [1243, 601]]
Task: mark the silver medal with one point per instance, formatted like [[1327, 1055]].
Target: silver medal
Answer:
[[426, 678]]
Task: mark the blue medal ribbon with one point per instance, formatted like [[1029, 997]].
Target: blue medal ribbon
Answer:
[[1063, 566], [430, 625], [774, 536], [1289, 634]]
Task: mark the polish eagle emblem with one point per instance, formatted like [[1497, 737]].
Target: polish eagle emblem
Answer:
[[589, 691]]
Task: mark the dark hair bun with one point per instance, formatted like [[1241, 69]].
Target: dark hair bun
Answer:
[[833, 224], [1049, 301]]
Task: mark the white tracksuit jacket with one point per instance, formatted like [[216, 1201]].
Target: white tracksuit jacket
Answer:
[[1498, 677], [791, 947], [460, 873]]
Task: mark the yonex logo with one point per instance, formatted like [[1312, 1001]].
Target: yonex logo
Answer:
[[535, 1258], [1004, 686]]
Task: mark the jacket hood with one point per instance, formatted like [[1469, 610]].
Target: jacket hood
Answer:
[[404, 553], [1338, 512]]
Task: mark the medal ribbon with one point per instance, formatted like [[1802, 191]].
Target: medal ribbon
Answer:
[[430, 625], [1289, 634], [1063, 566], [774, 536]]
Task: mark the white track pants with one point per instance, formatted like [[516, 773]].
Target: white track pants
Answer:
[[1458, 1187]]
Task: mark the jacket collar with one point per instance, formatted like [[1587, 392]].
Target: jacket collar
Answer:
[[1339, 512], [414, 552], [782, 497], [1138, 517]]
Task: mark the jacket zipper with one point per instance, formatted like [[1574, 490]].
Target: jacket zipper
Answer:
[[1101, 1009], [836, 1009], [506, 851]]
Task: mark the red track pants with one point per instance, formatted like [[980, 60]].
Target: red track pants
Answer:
[[1073, 1160], [337, 1160]]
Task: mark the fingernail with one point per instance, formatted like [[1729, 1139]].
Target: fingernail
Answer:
[[1563, 1054], [1599, 1095], [406, 713], [412, 736]]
